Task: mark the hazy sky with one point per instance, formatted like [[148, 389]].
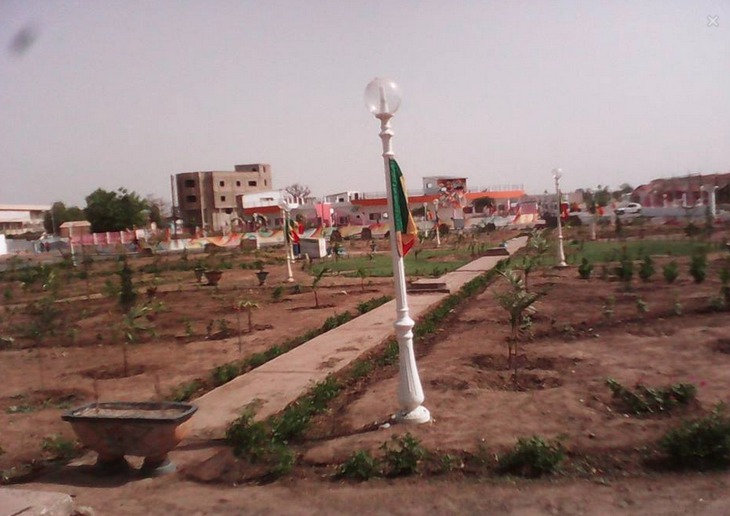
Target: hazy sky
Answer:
[[124, 93]]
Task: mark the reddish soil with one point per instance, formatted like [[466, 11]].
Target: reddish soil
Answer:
[[194, 332], [477, 409]]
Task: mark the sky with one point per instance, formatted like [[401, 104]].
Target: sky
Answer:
[[109, 94]]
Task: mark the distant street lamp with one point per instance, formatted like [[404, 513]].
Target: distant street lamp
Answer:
[[382, 98], [286, 206], [557, 174], [436, 219]]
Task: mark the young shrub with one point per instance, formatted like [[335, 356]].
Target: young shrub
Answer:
[[699, 444], [360, 466], [625, 268], [646, 269], [224, 374], [59, 447], [652, 400], [127, 293], [698, 267], [252, 442], [277, 293], [402, 455], [532, 457], [315, 284], [641, 306], [670, 271], [517, 301], [292, 422], [585, 268]]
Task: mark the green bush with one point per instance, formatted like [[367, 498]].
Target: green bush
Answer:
[[646, 269], [371, 304], [698, 267], [251, 441], [360, 466], [699, 444], [532, 457], [277, 293], [670, 271], [625, 268], [652, 400], [225, 373], [292, 422], [402, 455], [186, 391], [585, 268]]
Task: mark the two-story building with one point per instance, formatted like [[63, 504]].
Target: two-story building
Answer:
[[208, 200]]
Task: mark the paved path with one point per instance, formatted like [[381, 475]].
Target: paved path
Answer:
[[279, 382]]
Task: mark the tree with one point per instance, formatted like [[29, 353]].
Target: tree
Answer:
[[115, 211], [159, 210], [58, 214], [298, 191]]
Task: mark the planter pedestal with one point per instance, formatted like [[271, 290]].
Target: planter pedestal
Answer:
[[262, 275], [116, 429]]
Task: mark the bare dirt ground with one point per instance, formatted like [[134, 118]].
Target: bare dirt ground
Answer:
[[194, 331], [584, 331]]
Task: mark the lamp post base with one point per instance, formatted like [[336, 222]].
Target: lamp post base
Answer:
[[416, 416]]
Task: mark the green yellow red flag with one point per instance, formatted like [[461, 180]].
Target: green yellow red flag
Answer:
[[405, 227]]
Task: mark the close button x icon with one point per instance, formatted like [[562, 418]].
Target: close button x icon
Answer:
[[713, 21]]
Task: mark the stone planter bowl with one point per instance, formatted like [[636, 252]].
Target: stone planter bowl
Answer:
[[120, 428], [213, 277]]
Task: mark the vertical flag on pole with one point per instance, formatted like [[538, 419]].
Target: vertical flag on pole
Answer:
[[405, 227]]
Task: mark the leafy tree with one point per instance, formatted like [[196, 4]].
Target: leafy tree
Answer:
[[298, 191], [159, 210], [115, 211], [58, 214]]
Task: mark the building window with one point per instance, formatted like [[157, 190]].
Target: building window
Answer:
[[373, 216], [238, 183], [266, 183], [190, 183], [221, 183], [252, 183], [191, 198], [223, 198]]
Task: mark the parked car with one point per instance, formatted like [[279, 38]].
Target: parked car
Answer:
[[628, 209]]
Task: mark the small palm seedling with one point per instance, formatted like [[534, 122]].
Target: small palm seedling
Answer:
[[315, 284], [133, 325], [248, 307], [517, 301], [362, 274]]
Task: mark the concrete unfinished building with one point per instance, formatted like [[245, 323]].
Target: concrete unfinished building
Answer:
[[207, 200]]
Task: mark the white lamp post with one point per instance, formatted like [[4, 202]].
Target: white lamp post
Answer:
[[436, 219], [286, 206], [382, 98], [557, 174]]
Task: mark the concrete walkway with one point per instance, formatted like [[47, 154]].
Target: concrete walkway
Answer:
[[279, 382]]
